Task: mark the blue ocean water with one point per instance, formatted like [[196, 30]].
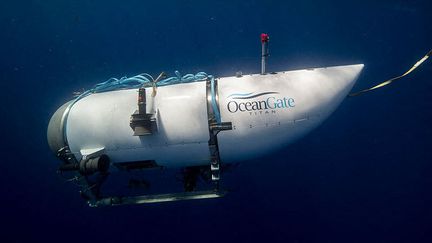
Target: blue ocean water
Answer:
[[365, 175]]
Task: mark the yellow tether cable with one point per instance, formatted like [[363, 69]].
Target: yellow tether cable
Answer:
[[393, 79]]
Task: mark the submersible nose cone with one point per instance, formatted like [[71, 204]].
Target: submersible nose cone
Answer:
[[55, 135]]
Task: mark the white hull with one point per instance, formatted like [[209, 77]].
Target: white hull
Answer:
[[267, 113]]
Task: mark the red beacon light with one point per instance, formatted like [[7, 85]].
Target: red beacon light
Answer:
[[264, 38]]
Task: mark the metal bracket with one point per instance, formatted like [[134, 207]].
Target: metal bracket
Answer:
[[142, 122], [214, 128], [65, 155], [90, 153]]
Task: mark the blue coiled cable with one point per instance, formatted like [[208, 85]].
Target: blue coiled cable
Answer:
[[144, 80]]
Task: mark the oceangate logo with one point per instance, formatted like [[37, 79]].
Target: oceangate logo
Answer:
[[265, 102]]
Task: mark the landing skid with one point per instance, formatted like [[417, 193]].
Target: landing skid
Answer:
[[158, 198]]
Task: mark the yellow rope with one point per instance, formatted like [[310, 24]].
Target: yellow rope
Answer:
[[393, 79]]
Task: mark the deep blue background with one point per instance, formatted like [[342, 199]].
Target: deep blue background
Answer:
[[365, 175]]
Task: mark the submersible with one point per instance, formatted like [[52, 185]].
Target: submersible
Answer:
[[200, 124]]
